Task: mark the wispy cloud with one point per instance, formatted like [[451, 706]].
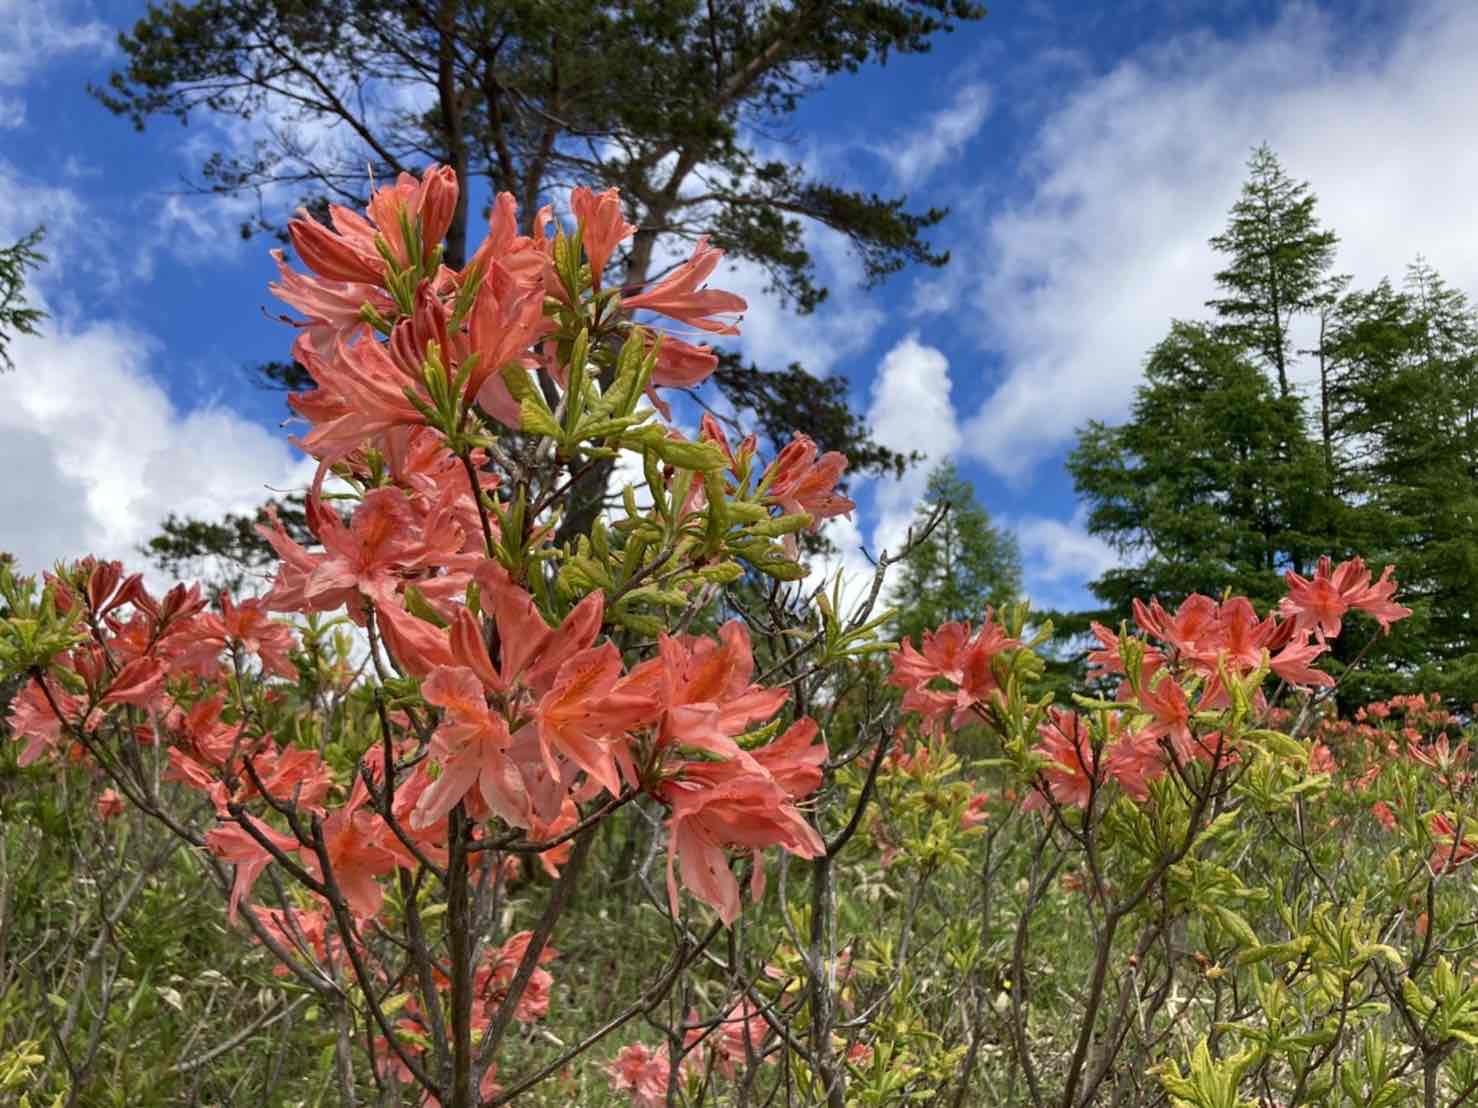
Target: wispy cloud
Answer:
[[1135, 169], [37, 31], [12, 113], [925, 146], [1058, 556]]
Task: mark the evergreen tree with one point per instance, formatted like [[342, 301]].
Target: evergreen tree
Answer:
[[965, 565], [1412, 418], [16, 316], [1222, 477], [1206, 487], [1279, 259]]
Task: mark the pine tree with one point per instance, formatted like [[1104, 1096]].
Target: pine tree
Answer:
[[1279, 260], [965, 565], [661, 98]]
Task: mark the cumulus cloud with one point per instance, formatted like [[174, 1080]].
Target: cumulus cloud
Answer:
[[1136, 168], [942, 136], [911, 410], [95, 453], [99, 455]]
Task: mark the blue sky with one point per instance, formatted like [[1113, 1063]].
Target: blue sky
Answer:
[[1086, 152]]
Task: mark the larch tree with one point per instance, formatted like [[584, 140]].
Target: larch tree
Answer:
[[1278, 261], [964, 566], [1198, 490]]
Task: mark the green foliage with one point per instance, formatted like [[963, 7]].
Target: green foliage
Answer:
[[16, 318], [1207, 484], [965, 565], [1278, 259]]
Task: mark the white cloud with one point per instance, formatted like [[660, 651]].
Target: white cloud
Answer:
[[941, 137], [1058, 556], [36, 31], [846, 558], [99, 455], [12, 113], [773, 334], [911, 410], [94, 452], [1137, 168], [99, 259]]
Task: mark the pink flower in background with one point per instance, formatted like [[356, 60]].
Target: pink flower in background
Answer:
[[109, 805], [642, 1072]]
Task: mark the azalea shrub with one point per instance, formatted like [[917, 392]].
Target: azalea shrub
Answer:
[[519, 792]]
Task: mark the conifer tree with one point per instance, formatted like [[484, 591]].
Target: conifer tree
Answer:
[[17, 317], [1279, 257], [1411, 411], [964, 566], [1199, 489], [668, 101]]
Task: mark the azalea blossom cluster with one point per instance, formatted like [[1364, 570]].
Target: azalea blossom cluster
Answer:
[[736, 1040], [511, 708], [741, 1037], [1408, 761], [1181, 665]]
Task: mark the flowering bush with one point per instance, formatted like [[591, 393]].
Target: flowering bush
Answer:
[[1202, 888]]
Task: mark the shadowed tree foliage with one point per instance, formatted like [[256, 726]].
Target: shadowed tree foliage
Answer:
[[1408, 413], [965, 565], [229, 551]]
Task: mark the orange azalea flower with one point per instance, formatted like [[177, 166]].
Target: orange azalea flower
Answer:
[[703, 691], [354, 840], [232, 843], [1319, 604], [603, 227], [471, 746], [583, 717], [801, 483], [1449, 851], [109, 805], [737, 803], [1072, 772], [678, 296], [642, 1072]]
